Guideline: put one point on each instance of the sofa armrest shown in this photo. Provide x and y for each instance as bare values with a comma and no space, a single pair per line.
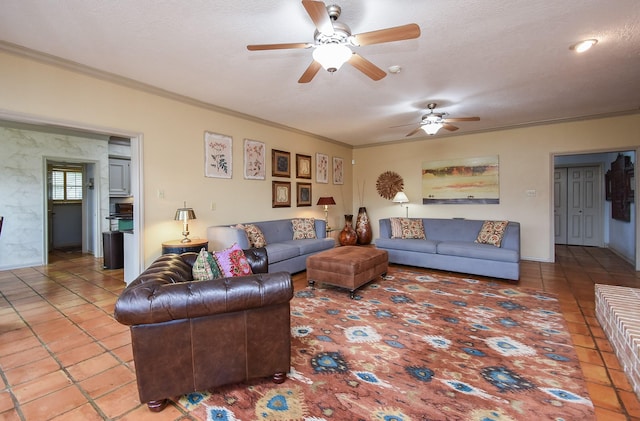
157,301
222,237
321,228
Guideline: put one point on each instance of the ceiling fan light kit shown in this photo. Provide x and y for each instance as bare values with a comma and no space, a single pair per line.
332,56
332,42
431,128
432,122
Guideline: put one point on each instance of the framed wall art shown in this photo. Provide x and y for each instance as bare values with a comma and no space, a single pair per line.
254,160
218,149
280,194
303,166
338,170
303,194
322,168
280,163
461,181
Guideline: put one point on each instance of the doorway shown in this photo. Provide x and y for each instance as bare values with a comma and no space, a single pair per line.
577,212
71,206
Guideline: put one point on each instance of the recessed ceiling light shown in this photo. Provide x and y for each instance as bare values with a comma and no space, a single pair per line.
395,69
583,46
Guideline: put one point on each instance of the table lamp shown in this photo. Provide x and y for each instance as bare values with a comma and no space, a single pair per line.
401,198
184,214
326,201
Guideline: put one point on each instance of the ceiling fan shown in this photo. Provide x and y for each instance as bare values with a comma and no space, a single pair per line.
332,40
432,122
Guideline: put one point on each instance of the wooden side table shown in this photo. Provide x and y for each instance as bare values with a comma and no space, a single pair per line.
176,246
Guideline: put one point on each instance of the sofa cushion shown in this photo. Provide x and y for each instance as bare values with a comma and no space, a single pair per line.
255,235
313,246
278,252
233,262
396,227
492,232
205,267
412,228
303,228
410,244
477,251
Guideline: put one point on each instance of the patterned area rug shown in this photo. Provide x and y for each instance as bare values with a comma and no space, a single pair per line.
417,347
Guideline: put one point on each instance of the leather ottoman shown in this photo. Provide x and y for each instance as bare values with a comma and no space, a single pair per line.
348,266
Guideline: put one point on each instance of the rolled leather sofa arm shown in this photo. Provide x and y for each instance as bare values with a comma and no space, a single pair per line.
157,301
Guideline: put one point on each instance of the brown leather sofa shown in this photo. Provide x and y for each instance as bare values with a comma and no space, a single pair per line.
196,335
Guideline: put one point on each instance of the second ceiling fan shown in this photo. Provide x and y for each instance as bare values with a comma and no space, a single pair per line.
332,42
432,122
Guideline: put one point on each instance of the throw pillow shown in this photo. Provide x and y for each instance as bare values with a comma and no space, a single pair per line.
232,261
205,267
492,232
256,237
396,228
412,228
303,228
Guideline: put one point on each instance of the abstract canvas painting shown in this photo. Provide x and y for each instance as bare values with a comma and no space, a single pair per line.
458,181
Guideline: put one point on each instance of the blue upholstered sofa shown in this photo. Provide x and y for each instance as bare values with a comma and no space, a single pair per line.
284,253
450,245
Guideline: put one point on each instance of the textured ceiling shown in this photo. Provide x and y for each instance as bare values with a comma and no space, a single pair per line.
507,62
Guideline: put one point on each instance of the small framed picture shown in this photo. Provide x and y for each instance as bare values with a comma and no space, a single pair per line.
281,194
218,150
322,168
254,160
338,170
303,166
303,197
280,163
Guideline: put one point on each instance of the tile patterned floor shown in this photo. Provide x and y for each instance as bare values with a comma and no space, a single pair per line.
64,357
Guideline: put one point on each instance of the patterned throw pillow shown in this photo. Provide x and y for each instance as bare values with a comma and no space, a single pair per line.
396,228
205,267
412,228
256,237
492,232
233,262
303,228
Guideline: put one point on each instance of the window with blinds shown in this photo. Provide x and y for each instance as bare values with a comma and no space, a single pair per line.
66,185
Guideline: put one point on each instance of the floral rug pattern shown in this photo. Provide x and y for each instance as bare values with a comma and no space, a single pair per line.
417,347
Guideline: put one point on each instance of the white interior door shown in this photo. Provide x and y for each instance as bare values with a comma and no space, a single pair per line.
584,207
560,205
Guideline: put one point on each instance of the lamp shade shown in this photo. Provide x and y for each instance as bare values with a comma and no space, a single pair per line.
400,197
332,56
184,213
327,200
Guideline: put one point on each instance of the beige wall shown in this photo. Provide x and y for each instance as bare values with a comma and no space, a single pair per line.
173,148
172,133
525,164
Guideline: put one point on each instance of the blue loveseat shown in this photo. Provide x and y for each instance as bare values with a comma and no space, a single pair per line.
284,253
450,245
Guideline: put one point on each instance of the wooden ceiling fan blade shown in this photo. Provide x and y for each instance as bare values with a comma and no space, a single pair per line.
457,119
262,47
414,131
449,127
310,73
397,33
318,13
366,67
